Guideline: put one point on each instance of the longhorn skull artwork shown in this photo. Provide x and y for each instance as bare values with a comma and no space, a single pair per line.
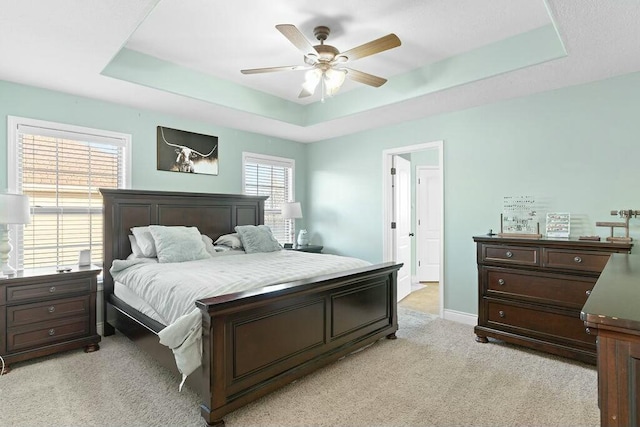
181,151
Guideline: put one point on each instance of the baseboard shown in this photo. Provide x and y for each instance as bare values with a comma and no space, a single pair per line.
100,328
460,317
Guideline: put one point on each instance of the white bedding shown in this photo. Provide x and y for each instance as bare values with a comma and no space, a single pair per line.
171,289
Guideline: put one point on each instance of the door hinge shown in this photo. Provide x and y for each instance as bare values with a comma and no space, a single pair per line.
393,225
418,263
393,171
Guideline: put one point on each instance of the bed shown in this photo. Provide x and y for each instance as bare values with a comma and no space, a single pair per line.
339,312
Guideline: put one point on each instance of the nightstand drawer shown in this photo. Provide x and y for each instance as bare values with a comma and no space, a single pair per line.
566,291
510,254
53,289
49,310
40,334
583,261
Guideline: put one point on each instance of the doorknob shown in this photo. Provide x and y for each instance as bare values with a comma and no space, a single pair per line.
411,234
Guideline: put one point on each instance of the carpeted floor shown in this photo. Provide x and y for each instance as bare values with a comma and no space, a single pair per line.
434,374
425,299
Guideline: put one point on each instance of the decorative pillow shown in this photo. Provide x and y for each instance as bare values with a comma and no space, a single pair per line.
145,242
135,249
231,240
178,244
257,239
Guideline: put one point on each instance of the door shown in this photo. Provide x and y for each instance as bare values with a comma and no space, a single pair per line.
402,218
428,200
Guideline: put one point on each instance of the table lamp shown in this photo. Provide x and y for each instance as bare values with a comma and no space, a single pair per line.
14,209
292,210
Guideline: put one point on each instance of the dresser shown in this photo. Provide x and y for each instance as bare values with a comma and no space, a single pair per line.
316,249
44,312
613,311
531,291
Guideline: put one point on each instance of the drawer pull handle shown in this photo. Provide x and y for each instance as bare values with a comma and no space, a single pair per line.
501,313
500,281
578,259
52,309
588,292
52,332
588,331
52,289
509,254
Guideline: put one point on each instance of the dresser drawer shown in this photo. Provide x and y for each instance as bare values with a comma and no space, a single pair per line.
40,334
566,291
49,310
51,289
520,255
575,260
532,322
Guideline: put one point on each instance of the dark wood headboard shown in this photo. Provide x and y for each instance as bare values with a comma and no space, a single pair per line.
213,214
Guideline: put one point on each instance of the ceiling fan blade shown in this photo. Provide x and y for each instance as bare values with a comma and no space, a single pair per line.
376,46
274,69
299,40
366,78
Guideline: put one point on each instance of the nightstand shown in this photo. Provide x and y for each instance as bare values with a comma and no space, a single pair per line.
44,312
308,248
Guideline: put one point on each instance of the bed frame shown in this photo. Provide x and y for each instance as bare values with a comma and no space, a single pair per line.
257,341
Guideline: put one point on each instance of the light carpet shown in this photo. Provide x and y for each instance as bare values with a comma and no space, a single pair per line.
434,374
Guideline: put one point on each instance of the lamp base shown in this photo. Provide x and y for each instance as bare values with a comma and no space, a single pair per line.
5,249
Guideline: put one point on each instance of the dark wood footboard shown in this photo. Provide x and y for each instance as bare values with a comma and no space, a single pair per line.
256,343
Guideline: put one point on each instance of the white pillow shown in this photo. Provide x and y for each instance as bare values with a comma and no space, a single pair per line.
178,244
208,245
135,248
145,241
231,240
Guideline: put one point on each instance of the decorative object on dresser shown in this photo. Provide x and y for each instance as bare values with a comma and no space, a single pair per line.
293,211
612,312
626,214
14,209
44,312
558,225
303,238
519,217
530,292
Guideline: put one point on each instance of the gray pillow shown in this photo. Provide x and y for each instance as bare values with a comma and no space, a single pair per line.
257,238
178,244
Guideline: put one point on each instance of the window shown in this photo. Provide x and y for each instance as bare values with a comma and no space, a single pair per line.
61,168
273,177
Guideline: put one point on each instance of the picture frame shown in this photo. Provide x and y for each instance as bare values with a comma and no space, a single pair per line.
186,152
558,224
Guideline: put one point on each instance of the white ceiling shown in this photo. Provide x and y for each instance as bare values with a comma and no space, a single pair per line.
65,45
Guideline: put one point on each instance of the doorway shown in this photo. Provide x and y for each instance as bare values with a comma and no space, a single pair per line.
431,232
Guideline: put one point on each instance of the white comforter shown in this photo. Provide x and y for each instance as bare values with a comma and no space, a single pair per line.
172,288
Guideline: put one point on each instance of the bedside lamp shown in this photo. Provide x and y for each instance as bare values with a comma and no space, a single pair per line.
292,210
14,209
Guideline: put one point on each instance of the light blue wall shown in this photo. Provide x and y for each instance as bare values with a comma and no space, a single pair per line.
576,150
35,103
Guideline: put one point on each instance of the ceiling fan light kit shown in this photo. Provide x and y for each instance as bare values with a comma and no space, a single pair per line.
325,64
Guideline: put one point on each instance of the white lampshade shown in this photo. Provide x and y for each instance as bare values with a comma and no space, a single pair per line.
292,210
14,209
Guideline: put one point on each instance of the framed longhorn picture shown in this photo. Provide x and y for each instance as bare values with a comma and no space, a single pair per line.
189,152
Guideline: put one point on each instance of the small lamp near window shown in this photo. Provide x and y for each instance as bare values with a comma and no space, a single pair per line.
14,209
293,211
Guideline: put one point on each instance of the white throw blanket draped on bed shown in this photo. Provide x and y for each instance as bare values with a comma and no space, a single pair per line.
171,289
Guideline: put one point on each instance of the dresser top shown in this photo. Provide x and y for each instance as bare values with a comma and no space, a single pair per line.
553,242
615,300
27,274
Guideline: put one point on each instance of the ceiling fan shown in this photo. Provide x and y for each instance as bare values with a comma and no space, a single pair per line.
325,64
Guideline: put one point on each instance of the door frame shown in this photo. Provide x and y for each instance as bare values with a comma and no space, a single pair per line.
388,249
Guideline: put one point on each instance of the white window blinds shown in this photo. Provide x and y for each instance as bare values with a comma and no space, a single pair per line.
61,169
273,177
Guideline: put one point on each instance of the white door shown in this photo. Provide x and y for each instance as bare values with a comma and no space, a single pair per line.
402,218
428,224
